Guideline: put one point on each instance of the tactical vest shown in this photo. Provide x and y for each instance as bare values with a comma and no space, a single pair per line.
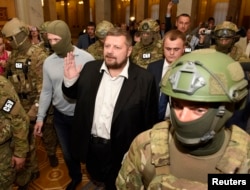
234,159
143,55
21,72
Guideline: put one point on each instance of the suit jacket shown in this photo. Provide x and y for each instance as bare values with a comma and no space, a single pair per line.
156,68
135,110
84,41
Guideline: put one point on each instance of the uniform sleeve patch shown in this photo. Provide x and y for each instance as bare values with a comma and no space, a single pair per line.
8,105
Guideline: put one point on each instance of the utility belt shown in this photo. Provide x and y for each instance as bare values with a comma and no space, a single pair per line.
99,140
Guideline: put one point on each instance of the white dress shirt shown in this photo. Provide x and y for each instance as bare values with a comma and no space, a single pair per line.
105,102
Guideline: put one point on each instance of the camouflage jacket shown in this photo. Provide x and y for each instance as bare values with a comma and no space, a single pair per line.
236,53
25,73
143,55
96,50
14,121
146,166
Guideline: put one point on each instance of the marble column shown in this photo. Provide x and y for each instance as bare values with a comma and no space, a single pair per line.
30,11
49,8
103,10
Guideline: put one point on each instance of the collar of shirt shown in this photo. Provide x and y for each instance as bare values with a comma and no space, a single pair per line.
124,72
166,65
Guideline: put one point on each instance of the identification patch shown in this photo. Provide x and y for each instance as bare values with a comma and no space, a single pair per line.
8,106
19,65
146,56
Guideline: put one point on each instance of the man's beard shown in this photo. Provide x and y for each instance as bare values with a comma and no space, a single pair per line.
116,65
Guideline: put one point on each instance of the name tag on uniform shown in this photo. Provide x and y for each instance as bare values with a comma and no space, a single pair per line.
146,56
8,106
19,65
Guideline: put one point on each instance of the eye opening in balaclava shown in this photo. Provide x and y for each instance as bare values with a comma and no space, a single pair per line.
190,134
60,28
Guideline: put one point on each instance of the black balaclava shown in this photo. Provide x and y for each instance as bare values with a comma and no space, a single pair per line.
60,28
224,48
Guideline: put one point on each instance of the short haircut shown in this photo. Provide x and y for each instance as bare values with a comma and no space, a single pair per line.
174,35
91,24
210,19
120,32
184,15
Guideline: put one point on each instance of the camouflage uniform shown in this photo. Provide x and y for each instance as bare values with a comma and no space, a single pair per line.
149,159
14,124
24,70
228,30
181,153
96,49
143,54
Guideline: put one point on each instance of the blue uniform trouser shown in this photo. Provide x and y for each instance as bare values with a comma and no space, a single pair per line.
63,126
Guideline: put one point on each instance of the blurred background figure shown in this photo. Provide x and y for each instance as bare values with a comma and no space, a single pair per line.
96,49
244,43
34,36
88,38
4,55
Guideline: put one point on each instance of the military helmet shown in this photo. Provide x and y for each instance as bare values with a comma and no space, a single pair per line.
225,30
13,27
149,25
102,28
197,77
43,26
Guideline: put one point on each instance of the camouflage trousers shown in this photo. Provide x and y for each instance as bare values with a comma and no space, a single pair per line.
31,164
7,173
49,138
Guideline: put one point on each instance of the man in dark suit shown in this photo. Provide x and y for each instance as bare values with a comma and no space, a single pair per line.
173,47
116,100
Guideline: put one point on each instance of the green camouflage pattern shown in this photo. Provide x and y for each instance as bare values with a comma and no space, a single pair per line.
149,25
143,55
102,29
28,83
28,79
146,165
236,53
96,50
49,138
226,25
14,124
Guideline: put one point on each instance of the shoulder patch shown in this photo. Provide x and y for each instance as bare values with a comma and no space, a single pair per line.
8,105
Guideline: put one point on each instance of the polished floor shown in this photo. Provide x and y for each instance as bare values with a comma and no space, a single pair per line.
55,178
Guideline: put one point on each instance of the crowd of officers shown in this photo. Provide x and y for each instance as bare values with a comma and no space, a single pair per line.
22,82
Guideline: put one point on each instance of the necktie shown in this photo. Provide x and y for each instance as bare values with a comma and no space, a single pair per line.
248,50
162,106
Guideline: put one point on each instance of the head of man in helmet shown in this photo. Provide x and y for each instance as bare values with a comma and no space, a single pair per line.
102,29
149,31
16,32
202,95
226,36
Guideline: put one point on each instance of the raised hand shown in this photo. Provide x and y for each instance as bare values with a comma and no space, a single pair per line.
71,70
